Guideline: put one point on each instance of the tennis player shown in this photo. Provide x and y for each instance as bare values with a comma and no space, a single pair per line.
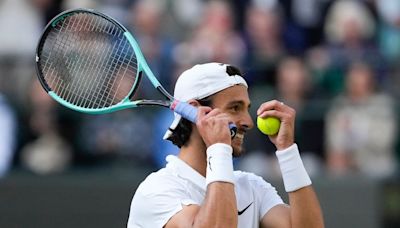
199,188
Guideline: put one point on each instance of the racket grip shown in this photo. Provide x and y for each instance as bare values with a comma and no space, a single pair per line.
186,110
189,112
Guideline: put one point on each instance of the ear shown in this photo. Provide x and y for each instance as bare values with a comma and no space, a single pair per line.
194,102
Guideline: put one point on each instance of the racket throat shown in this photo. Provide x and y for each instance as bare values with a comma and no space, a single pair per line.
166,104
165,93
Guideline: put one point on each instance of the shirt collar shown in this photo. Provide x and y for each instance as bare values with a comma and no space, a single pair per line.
186,172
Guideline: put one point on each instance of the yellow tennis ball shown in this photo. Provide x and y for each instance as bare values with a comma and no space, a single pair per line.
269,125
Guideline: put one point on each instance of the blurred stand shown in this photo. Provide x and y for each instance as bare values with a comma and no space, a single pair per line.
20,32
146,23
125,134
304,23
213,40
297,51
8,132
389,32
22,28
389,42
349,36
263,36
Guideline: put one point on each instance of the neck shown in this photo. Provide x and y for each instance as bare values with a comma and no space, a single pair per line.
194,154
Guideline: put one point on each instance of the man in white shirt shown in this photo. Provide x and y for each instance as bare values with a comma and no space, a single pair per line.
198,188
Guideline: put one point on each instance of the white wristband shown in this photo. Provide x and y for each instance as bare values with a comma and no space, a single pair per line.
219,163
294,174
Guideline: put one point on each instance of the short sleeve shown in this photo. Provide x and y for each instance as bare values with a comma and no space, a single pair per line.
153,206
267,196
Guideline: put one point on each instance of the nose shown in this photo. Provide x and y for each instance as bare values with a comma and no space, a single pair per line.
247,121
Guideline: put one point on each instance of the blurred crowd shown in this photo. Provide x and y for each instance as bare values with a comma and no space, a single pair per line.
335,61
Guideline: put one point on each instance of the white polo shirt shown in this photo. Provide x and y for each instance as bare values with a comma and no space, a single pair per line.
164,193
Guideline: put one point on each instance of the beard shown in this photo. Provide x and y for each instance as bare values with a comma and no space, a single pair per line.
237,153
237,146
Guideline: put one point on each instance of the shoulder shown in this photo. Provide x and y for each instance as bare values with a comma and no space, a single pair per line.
250,179
158,182
156,200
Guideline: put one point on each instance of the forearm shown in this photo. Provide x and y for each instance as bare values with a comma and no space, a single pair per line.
219,207
304,206
305,210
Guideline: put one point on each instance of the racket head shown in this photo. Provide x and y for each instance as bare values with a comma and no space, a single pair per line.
89,62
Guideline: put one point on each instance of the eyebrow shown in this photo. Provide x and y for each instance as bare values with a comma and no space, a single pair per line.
238,102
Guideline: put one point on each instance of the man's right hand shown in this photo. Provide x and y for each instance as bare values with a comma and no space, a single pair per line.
213,126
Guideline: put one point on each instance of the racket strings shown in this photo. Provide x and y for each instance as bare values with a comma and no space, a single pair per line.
66,91
94,83
87,61
98,83
80,94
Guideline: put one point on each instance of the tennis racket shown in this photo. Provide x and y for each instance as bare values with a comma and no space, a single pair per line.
88,62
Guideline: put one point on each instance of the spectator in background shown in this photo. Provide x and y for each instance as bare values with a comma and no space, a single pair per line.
117,9
184,16
104,138
264,45
303,23
389,41
389,29
8,126
20,24
295,88
349,34
214,40
146,21
48,152
294,83
361,127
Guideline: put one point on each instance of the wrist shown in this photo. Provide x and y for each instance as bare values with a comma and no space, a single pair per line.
219,163
293,171
284,146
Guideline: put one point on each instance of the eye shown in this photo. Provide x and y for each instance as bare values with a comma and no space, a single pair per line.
235,108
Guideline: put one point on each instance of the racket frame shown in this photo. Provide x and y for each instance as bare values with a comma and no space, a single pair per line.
140,60
184,109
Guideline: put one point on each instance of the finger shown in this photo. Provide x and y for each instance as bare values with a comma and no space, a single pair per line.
214,112
274,113
202,111
269,105
222,118
273,105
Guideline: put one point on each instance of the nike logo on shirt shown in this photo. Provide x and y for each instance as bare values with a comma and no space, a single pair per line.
242,211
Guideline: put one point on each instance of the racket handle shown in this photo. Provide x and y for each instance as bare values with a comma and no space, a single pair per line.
189,112
184,109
